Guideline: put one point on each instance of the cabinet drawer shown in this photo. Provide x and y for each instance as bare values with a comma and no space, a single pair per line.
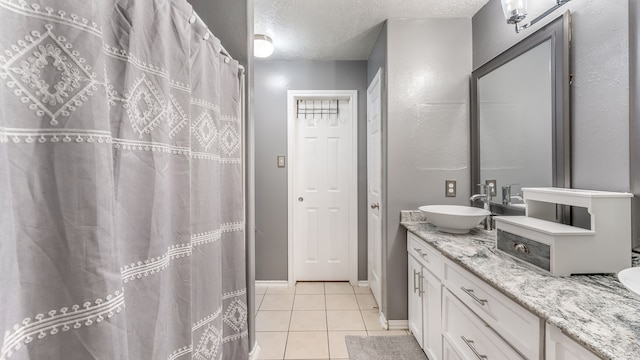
522,329
469,336
429,257
447,351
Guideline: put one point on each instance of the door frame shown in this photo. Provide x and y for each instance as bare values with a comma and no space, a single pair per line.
352,97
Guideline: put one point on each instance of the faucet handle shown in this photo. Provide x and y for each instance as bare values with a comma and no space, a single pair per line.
488,189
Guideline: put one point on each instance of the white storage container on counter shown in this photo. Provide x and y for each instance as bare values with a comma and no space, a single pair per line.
562,249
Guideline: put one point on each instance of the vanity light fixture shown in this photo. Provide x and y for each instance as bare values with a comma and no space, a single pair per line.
262,46
516,10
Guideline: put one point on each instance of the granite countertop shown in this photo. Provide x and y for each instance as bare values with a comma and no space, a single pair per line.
597,311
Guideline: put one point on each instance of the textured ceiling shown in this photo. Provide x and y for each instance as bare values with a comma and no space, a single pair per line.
342,29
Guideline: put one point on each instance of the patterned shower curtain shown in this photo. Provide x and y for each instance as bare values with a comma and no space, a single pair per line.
121,189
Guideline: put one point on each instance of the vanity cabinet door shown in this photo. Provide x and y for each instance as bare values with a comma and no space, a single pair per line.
432,315
415,299
560,347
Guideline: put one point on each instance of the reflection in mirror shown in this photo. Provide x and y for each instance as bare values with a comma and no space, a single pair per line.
520,118
515,124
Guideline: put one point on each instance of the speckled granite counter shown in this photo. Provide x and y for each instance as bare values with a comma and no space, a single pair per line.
595,310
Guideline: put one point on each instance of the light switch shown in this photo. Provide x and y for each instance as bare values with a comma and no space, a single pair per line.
281,161
450,188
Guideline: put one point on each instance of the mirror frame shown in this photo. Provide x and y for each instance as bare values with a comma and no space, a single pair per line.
559,32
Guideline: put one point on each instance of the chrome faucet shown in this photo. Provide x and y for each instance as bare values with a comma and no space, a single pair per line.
506,195
486,200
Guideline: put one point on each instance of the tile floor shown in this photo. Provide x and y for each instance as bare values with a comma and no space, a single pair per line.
310,321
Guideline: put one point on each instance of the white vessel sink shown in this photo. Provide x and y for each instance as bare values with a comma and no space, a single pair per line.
630,278
454,219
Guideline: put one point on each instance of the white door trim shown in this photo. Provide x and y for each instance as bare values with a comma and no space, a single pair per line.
352,96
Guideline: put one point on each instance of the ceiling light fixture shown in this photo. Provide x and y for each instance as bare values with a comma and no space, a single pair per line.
516,10
262,46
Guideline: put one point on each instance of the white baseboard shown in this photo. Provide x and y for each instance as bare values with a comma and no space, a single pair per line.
398,324
272,283
255,352
363,283
393,324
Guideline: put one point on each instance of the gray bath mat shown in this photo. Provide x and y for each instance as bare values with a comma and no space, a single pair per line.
384,348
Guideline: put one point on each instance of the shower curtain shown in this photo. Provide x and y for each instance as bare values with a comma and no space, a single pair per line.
121,188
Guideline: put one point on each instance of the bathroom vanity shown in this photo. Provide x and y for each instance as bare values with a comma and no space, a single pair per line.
469,301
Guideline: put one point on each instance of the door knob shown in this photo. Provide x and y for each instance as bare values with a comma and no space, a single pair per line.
375,205
301,199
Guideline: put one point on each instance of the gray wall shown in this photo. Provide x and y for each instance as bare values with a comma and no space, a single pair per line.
272,80
378,59
600,101
427,131
634,63
600,91
229,21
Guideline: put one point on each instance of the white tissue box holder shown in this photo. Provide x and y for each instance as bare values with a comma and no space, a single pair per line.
562,249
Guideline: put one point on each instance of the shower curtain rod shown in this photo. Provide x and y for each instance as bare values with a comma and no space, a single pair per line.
223,51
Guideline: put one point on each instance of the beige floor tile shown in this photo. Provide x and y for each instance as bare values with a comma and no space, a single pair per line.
344,320
273,320
388,333
261,290
308,321
259,298
280,290
366,301
310,288
341,302
372,320
307,345
309,302
272,344
361,290
277,302
338,288
337,344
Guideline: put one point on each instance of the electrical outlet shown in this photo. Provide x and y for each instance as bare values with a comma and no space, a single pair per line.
493,184
450,188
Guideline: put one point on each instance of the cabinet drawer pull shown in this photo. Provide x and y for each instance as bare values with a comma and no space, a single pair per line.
419,251
521,248
473,348
473,296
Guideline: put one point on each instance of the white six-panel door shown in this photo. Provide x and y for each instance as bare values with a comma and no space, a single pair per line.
374,186
323,169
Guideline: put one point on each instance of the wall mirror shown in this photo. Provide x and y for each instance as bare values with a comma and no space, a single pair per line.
520,118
